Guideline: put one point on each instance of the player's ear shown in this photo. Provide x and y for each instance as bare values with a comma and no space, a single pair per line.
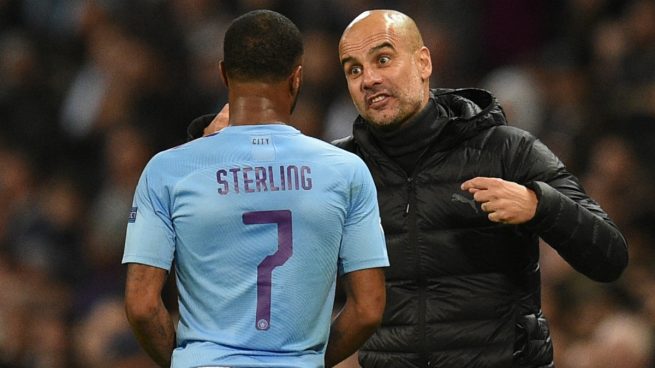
295,80
221,67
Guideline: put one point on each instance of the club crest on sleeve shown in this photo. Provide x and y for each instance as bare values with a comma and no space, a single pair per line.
132,217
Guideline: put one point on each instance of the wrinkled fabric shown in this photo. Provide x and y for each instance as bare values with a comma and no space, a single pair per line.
463,291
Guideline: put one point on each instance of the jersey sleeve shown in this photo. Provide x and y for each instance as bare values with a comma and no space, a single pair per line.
362,245
150,237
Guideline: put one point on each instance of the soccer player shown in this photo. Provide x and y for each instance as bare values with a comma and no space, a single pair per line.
259,220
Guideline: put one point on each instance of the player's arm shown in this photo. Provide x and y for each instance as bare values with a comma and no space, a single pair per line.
360,316
146,313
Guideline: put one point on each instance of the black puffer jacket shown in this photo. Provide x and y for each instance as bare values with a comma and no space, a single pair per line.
463,291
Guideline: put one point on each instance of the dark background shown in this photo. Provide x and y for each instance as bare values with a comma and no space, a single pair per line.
91,89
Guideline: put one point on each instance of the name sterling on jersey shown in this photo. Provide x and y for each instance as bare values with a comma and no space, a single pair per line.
263,179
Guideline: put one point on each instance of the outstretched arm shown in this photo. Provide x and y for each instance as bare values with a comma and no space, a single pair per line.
360,316
146,313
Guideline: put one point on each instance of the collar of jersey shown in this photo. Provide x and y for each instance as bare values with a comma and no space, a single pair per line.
259,128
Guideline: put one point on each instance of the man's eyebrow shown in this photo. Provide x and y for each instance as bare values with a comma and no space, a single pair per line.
346,60
373,49
380,46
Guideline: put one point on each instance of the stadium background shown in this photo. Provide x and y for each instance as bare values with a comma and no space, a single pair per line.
90,89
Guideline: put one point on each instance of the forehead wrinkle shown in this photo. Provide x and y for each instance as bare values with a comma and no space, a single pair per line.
376,39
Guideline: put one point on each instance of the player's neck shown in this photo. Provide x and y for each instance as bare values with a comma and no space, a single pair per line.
259,103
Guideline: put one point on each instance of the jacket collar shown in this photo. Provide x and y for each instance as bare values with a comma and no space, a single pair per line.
468,111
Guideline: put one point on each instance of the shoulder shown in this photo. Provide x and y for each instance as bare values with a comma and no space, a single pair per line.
502,141
507,135
169,164
346,153
334,149
167,157
339,157
346,143
512,132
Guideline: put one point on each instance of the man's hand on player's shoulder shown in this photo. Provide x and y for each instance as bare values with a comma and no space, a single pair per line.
221,120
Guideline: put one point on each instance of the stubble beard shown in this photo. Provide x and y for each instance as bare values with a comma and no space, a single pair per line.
386,120
388,124
397,118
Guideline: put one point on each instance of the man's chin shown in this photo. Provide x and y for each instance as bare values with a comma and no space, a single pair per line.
385,124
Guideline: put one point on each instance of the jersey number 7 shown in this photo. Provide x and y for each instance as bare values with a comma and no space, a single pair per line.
265,269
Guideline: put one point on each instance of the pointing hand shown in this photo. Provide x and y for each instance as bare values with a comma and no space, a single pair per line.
504,201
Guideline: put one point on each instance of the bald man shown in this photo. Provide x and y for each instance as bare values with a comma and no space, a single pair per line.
464,199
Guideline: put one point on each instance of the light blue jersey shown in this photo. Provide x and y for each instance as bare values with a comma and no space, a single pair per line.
259,221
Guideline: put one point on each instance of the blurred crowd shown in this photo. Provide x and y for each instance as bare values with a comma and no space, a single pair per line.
91,89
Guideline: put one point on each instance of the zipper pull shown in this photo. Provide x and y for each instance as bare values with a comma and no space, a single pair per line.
409,182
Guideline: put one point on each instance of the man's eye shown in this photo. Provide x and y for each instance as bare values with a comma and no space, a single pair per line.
355,70
384,59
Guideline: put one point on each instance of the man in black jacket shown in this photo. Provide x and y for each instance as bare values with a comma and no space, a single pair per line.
464,199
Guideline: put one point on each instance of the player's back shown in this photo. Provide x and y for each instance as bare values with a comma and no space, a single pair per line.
258,214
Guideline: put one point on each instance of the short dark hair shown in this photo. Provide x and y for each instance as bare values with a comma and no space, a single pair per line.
261,45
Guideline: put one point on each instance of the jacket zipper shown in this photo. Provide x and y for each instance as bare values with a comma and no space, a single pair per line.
410,212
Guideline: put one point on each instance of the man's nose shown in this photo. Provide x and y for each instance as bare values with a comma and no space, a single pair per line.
371,77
